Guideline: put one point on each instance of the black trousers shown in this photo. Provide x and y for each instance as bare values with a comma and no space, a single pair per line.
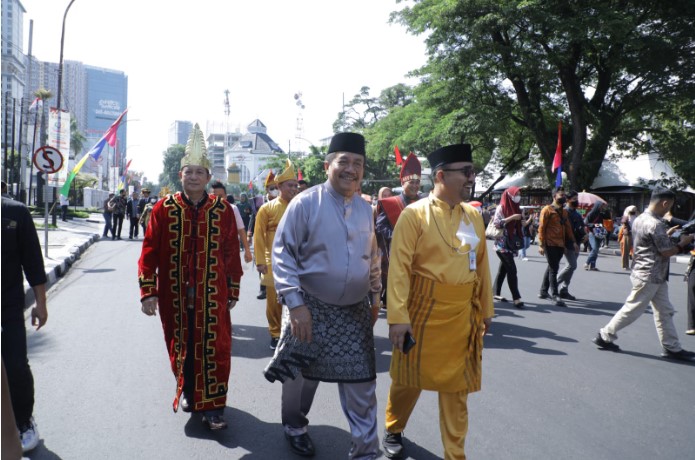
553,254
14,355
507,269
117,225
134,227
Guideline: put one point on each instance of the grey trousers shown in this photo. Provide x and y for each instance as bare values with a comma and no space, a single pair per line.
358,401
565,277
643,294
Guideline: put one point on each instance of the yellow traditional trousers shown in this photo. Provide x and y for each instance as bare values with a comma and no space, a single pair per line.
453,416
447,327
273,311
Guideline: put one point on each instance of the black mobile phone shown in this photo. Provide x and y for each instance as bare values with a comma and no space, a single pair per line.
408,343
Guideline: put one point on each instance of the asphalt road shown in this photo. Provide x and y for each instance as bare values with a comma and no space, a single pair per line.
104,387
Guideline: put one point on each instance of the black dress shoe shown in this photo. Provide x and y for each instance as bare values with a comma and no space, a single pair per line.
543,295
214,421
301,444
393,445
682,355
567,295
603,344
262,295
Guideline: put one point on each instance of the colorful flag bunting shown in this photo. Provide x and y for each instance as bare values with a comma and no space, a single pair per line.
36,105
109,137
557,160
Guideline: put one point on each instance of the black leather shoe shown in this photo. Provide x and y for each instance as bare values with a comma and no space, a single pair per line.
301,444
682,355
558,301
567,295
393,445
543,295
598,340
214,421
185,406
262,295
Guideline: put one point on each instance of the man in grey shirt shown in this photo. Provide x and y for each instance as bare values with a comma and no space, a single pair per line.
652,251
327,273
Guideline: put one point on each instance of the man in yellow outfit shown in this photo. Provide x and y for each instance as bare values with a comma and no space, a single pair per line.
267,221
440,294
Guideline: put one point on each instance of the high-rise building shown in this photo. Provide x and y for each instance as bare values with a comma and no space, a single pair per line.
13,66
179,132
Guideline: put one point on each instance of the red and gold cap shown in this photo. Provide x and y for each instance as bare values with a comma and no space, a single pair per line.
411,169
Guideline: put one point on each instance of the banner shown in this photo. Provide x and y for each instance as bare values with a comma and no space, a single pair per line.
59,137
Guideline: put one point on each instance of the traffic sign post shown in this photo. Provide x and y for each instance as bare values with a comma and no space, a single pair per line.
48,160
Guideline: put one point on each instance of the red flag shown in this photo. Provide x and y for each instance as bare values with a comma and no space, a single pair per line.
557,161
299,174
399,158
110,135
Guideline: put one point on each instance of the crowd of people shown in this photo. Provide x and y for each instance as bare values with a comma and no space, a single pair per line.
329,260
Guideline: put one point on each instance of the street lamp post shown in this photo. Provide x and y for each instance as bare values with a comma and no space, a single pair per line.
60,90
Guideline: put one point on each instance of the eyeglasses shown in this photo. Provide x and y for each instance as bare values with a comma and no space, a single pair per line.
467,171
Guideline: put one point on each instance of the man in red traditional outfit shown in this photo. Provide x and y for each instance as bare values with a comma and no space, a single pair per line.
389,209
190,268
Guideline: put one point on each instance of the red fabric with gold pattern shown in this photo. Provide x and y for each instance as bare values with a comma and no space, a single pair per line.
172,255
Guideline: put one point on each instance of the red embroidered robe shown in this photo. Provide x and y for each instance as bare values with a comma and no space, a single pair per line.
188,245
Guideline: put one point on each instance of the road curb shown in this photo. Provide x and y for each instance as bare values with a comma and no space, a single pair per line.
54,273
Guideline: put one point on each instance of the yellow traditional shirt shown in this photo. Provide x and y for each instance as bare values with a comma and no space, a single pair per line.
425,244
267,220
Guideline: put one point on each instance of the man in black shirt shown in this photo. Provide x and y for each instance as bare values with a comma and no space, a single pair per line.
21,255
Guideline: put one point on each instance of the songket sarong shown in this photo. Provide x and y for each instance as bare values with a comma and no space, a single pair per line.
447,327
341,349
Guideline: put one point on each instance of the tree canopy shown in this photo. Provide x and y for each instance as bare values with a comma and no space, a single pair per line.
501,73
172,165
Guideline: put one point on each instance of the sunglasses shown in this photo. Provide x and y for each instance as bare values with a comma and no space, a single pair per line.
467,171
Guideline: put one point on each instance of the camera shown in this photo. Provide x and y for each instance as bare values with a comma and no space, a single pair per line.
686,229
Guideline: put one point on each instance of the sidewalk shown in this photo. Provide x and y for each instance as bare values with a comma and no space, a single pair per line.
65,245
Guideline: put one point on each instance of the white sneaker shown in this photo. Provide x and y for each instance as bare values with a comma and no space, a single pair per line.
29,435
525,259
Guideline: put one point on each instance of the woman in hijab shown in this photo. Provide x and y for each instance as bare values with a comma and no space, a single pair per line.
508,217
625,235
384,192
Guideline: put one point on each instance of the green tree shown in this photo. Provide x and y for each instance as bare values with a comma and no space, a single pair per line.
604,68
77,139
172,165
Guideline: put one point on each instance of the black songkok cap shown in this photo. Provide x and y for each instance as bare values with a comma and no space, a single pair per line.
450,154
663,194
347,142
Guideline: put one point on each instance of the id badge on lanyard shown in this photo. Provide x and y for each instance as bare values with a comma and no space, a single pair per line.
472,261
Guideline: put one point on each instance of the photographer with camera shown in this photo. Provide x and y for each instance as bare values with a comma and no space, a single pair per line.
681,227
653,249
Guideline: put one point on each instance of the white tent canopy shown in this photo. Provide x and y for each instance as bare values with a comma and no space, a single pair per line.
643,171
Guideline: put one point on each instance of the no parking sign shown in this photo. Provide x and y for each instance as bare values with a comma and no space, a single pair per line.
48,159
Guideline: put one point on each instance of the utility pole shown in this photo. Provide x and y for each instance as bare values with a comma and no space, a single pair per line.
60,93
